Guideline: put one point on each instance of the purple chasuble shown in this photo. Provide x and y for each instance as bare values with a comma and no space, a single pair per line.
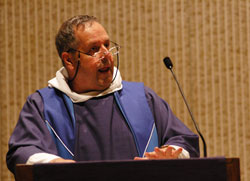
101,131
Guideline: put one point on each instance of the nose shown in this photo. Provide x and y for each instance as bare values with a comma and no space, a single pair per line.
104,53
104,60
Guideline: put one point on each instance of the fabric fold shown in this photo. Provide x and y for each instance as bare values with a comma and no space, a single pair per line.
60,82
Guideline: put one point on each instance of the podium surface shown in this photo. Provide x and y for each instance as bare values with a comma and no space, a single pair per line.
199,169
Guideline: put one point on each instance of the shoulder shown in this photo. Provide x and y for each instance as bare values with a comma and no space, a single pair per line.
49,94
132,84
37,95
33,106
138,88
35,100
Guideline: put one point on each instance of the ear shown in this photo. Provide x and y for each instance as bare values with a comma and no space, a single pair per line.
67,59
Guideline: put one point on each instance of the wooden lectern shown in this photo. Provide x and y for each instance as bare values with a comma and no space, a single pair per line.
199,169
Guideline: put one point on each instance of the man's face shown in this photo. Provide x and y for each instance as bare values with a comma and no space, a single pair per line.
94,73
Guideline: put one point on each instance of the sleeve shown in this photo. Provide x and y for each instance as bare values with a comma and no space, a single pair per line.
30,135
41,158
171,131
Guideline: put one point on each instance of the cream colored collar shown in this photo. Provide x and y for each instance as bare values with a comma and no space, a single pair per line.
60,82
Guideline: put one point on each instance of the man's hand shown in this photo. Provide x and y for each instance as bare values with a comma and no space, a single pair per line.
61,160
161,153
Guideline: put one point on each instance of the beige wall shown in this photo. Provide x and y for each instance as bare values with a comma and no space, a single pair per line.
207,40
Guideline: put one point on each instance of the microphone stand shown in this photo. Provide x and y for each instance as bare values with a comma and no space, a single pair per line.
169,65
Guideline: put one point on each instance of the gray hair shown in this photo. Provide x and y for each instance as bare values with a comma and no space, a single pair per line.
65,38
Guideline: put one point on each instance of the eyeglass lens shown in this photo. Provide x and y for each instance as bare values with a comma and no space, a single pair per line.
113,50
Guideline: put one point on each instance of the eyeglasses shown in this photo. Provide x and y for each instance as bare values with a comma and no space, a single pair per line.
114,50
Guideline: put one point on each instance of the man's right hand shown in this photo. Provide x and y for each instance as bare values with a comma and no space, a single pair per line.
61,160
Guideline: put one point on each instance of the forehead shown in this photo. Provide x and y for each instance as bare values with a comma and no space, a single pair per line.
91,33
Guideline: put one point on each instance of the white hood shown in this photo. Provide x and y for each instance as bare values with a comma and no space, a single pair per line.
60,82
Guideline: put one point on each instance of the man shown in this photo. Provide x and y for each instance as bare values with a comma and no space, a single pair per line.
88,113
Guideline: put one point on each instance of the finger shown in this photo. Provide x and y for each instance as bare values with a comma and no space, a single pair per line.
140,158
177,153
169,151
61,160
151,155
160,152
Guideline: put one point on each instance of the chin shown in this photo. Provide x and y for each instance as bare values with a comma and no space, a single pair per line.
104,85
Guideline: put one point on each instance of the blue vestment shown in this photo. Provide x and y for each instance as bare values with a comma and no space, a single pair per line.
60,119
100,130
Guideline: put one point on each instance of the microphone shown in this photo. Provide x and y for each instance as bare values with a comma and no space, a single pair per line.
169,65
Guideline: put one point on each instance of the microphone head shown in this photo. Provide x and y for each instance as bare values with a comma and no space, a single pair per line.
168,63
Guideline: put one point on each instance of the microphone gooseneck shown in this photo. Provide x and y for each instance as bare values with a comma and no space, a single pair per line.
169,65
